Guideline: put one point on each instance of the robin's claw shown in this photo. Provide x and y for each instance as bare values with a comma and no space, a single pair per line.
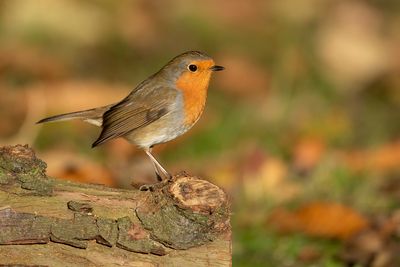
158,176
147,187
169,178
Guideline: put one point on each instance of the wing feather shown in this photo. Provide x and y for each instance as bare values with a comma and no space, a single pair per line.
136,111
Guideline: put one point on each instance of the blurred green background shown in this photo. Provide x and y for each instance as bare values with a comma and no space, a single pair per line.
302,129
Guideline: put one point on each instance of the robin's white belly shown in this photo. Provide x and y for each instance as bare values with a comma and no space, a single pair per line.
167,128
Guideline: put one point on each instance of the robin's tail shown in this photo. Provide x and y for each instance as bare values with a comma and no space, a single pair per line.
93,116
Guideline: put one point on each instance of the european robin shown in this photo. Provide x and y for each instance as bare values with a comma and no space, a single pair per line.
159,109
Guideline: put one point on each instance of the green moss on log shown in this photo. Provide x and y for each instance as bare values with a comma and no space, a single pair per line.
18,164
134,238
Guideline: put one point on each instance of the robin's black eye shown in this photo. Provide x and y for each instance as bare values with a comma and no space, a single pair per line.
192,67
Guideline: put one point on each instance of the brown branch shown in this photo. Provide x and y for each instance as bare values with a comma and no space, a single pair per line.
45,221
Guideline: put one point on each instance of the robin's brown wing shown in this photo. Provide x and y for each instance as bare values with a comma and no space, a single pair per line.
136,111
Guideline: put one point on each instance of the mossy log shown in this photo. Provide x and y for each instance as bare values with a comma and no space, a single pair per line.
49,222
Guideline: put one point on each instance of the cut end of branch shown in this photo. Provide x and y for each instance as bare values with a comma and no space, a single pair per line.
196,194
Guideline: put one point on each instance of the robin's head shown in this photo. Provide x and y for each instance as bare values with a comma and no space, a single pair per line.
191,67
190,73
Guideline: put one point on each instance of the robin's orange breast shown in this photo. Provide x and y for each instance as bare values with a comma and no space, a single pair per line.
194,88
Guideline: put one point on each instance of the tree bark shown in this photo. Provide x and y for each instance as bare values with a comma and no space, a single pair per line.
49,222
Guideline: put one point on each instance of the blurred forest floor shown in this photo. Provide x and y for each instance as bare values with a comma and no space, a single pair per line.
302,129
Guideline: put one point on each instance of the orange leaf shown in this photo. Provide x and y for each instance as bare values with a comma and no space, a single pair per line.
308,152
384,158
322,219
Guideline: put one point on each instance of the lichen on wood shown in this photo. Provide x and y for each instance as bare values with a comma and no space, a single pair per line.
19,164
183,214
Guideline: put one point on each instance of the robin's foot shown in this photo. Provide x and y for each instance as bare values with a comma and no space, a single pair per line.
152,187
158,176
147,187
168,177
162,176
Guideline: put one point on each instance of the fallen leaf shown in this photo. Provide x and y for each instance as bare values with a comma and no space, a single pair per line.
307,153
382,159
321,219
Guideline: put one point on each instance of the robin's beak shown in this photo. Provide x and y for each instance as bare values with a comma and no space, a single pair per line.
217,68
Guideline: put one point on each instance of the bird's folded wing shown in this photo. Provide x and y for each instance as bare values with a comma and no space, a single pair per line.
136,111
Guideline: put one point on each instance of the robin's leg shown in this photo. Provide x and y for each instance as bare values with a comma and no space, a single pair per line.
157,166
158,169
159,177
